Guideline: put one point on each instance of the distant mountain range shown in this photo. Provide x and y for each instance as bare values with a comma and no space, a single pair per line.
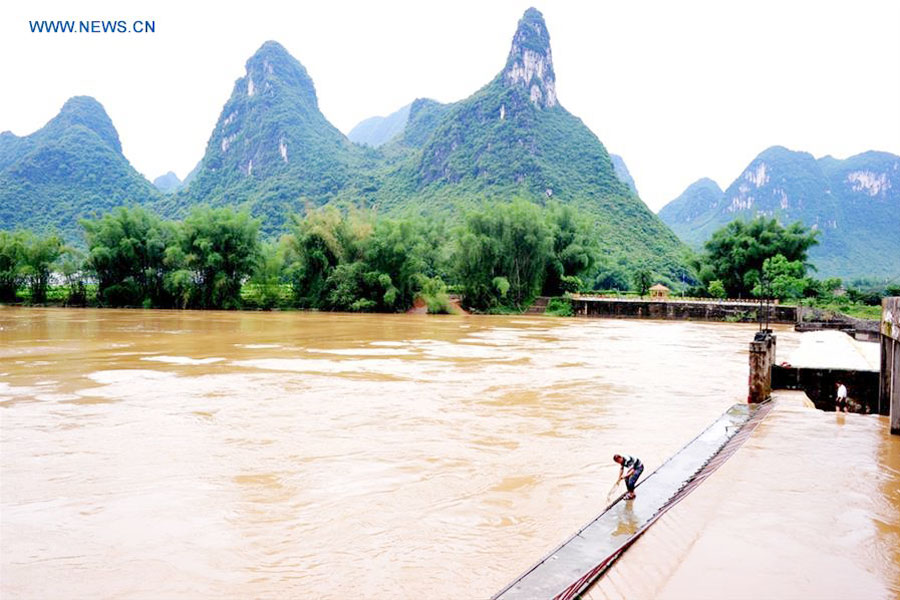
168,183
622,172
377,131
273,152
854,203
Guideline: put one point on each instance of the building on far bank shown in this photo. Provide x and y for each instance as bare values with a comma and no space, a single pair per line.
659,292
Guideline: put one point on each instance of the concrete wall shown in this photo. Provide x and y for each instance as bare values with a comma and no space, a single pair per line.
889,384
819,385
617,308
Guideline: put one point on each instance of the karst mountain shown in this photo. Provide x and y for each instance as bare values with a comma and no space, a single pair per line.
853,203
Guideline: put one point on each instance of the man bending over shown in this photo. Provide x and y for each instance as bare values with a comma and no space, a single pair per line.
635,468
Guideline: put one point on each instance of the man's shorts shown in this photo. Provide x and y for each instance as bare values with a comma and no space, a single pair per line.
629,483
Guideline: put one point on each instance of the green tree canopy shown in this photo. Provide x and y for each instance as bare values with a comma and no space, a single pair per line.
127,253
39,257
643,279
574,250
355,262
735,254
317,244
781,278
502,255
12,254
219,248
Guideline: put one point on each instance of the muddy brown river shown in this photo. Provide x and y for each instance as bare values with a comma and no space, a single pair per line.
168,454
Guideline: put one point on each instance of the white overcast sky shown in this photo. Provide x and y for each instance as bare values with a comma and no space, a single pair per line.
680,89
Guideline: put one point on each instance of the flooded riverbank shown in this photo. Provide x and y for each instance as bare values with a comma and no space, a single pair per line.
184,454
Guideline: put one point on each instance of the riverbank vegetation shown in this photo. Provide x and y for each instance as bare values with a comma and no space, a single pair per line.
762,258
496,261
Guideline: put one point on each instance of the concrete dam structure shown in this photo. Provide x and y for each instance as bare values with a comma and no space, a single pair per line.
572,569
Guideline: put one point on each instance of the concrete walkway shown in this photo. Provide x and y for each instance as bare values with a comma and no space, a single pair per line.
573,565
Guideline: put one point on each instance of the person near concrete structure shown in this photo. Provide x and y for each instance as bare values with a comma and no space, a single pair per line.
840,401
635,468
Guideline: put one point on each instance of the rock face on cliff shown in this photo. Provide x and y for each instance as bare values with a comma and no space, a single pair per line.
71,168
530,62
854,203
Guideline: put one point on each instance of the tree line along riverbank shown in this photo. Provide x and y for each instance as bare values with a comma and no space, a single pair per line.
497,259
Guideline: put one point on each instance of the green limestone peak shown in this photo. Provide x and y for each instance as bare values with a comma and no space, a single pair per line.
530,62
69,169
78,112
513,139
699,198
86,111
272,147
424,115
272,70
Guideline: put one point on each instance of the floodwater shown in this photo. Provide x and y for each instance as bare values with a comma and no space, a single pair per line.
809,507
176,454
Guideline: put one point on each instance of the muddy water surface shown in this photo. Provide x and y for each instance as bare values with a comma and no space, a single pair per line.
149,454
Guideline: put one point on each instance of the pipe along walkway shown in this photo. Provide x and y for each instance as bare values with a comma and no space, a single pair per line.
580,560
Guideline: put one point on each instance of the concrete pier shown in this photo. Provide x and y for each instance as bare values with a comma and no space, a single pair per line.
805,509
889,384
762,357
